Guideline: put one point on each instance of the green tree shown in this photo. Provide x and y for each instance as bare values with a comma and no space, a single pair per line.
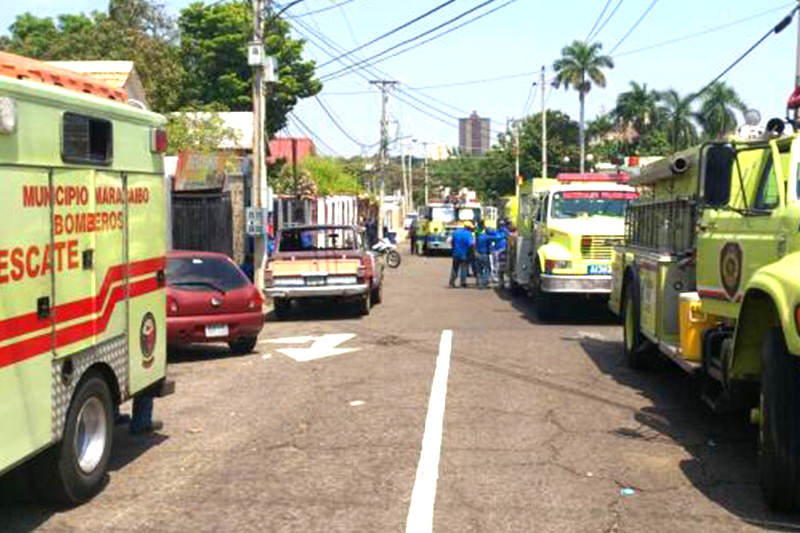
678,120
717,114
637,108
580,65
201,132
213,51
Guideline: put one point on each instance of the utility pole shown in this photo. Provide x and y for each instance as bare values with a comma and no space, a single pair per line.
425,147
405,177
385,87
259,185
544,129
515,137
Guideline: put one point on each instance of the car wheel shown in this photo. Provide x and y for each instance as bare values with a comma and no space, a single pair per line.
779,431
281,307
377,294
243,346
74,470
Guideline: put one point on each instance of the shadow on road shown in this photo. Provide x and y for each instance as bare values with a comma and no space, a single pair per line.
319,310
723,448
199,352
569,309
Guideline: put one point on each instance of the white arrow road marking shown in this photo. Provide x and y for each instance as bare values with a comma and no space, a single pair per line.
324,346
423,495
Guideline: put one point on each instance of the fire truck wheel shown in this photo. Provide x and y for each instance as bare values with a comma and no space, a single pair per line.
633,341
364,305
779,431
545,306
281,307
75,469
243,346
377,294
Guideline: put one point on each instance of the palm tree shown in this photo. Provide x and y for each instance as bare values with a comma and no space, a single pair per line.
678,119
580,65
637,108
717,106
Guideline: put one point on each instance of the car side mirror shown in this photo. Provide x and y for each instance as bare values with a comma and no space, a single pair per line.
717,168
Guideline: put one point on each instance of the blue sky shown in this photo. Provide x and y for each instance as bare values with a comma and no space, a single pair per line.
520,38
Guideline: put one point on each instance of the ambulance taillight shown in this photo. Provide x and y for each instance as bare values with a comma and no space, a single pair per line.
158,141
8,115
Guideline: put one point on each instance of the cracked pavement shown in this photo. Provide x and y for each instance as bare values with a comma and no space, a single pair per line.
544,427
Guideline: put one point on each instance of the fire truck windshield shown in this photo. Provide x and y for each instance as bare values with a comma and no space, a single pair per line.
444,214
575,204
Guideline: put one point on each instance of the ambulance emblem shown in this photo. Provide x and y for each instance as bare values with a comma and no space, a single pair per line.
730,268
147,339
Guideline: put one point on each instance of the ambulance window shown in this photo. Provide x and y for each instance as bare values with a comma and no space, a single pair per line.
767,197
86,139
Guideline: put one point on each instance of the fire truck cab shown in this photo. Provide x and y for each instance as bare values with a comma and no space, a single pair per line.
82,258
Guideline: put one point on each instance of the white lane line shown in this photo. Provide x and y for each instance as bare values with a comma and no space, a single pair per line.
423,495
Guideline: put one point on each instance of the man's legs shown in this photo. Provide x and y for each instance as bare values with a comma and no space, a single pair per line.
454,271
142,420
482,270
493,258
464,264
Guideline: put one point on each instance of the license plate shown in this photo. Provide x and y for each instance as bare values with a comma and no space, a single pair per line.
599,269
216,330
315,282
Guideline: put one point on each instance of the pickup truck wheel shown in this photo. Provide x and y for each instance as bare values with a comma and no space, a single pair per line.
365,305
74,470
376,295
243,346
779,431
633,341
281,307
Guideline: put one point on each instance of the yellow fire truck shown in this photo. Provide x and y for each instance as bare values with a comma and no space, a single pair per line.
82,288
565,234
707,277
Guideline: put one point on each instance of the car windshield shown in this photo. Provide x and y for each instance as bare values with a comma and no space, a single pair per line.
576,204
309,239
204,274
443,214
469,213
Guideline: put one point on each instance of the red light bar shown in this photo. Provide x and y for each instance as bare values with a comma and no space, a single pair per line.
622,177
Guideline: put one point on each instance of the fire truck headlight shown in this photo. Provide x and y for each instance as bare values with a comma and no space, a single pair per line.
8,115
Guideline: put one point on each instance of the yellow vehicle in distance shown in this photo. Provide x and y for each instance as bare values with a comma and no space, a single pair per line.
574,224
438,221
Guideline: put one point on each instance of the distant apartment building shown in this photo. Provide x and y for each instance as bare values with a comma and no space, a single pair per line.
474,134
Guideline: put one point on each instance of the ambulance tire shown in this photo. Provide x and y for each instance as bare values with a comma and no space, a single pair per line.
243,346
60,478
633,342
281,307
779,435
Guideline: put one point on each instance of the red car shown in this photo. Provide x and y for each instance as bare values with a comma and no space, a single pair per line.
209,299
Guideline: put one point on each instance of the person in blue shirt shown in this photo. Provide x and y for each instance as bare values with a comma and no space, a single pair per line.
462,244
483,247
499,246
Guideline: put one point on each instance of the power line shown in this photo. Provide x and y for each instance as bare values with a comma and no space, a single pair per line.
779,27
597,20
336,122
308,13
411,39
475,82
300,125
704,32
531,98
390,32
603,25
443,33
635,25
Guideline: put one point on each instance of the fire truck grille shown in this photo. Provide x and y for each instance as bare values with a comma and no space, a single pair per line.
599,247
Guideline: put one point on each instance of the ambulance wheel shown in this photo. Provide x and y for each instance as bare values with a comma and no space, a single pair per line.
364,305
281,307
634,343
243,346
376,295
75,469
779,431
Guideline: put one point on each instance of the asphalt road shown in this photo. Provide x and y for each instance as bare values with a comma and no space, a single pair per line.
544,429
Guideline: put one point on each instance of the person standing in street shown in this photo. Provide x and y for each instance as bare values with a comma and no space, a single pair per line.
462,244
412,236
483,245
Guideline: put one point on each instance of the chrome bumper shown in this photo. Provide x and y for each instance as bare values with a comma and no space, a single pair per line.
577,284
317,292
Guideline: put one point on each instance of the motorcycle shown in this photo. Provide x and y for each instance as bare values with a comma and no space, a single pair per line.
386,248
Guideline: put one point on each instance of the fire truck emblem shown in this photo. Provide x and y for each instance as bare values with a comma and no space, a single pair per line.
147,339
730,268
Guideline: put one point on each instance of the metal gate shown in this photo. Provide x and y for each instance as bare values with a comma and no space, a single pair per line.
202,221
